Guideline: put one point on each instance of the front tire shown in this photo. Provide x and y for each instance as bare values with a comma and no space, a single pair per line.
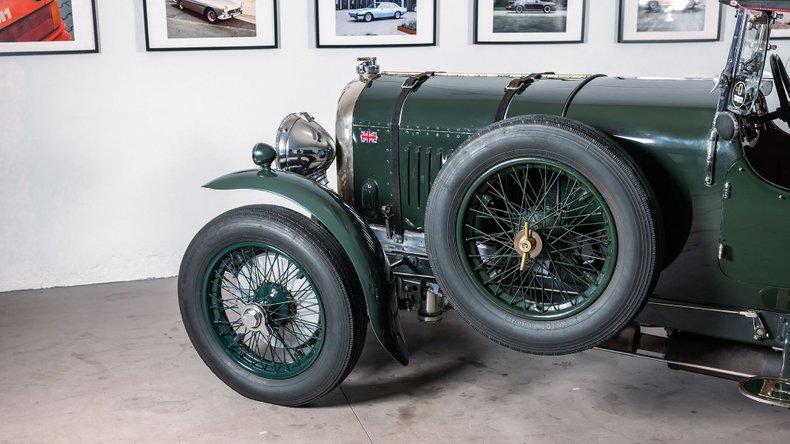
547,9
269,305
519,9
211,16
368,17
575,203
180,5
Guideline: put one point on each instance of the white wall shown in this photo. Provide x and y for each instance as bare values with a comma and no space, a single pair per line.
102,155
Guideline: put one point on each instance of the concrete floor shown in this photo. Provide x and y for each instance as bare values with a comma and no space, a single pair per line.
112,362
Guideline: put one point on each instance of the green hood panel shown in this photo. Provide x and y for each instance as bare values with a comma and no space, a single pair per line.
437,118
660,122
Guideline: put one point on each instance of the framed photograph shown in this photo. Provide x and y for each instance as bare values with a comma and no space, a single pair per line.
369,23
670,21
173,25
529,21
48,27
781,30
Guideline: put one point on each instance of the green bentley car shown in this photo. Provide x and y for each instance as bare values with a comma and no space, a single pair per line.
554,213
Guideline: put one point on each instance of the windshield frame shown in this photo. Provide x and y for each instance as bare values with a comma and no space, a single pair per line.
746,75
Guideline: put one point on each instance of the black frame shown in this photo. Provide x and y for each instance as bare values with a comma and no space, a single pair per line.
76,51
477,41
275,45
396,45
716,39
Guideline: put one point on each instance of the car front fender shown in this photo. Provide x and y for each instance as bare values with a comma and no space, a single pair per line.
356,238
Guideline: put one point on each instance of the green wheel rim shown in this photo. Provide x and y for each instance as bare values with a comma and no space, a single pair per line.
264,310
579,240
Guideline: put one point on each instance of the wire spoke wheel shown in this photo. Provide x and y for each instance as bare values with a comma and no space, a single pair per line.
537,238
264,309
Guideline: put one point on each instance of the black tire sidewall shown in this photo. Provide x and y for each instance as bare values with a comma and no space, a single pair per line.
208,16
368,17
330,365
637,251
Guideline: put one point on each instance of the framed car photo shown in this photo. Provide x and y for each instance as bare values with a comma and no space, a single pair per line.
172,25
370,23
529,21
669,21
48,27
781,29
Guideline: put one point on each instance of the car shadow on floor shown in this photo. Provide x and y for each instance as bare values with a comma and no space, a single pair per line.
437,354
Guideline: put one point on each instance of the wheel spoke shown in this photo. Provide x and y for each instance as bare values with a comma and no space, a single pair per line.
260,279
575,226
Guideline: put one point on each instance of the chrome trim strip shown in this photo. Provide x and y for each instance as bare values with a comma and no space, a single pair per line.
344,135
569,76
479,74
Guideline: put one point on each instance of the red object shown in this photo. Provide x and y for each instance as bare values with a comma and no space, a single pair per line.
31,21
760,5
369,137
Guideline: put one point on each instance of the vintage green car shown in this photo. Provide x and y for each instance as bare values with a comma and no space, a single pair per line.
554,213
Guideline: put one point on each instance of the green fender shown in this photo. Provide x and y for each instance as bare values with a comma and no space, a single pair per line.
356,238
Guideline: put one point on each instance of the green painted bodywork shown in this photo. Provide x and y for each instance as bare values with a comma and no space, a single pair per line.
360,244
754,230
663,124
437,118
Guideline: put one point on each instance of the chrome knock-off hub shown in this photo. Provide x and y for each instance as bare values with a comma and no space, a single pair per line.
252,317
528,244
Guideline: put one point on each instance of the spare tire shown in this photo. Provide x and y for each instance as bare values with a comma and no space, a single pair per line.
569,202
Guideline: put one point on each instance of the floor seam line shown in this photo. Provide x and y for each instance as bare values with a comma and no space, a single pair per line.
355,414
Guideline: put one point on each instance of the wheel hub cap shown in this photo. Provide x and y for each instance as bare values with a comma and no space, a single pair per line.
278,306
528,244
252,317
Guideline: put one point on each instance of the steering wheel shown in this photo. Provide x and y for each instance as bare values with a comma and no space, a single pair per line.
782,82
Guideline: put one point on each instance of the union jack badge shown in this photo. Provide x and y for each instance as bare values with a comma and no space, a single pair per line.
369,137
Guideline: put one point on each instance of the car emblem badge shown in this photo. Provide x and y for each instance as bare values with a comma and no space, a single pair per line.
369,137
739,94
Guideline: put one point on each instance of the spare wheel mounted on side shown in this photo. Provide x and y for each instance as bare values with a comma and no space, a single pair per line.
543,233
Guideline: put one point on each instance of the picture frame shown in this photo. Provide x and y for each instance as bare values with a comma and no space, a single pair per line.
336,28
529,21
781,29
664,21
189,25
72,28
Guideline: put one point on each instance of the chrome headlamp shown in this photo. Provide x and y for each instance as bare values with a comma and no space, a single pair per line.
304,147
